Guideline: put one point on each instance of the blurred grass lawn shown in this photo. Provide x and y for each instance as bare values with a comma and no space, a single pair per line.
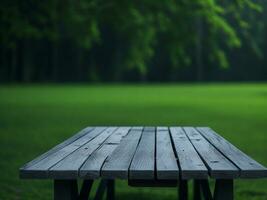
34,118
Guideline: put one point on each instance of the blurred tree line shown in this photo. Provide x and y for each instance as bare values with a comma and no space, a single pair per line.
141,40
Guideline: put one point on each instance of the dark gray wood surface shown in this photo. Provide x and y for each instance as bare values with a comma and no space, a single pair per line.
40,169
143,163
118,135
162,128
148,154
118,163
149,128
57,147
218,165
249,168
191,165
166,162
92,167
69,166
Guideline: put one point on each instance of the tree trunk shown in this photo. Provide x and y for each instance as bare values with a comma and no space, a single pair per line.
13,63
3,66
27,61
54,55
20,58
199,48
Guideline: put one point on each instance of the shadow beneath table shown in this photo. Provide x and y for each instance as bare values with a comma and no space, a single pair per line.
144,196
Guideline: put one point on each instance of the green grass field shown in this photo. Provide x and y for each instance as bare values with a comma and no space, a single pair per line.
35,118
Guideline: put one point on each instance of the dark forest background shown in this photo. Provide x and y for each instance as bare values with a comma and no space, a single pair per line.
148,40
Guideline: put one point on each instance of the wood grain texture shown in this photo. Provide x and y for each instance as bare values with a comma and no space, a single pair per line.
249,168
91,168
162,128
144,154
40,169
191,165
57,147
68,167
117,164
143,163
149,128
118,135
166,162
219,166
137,128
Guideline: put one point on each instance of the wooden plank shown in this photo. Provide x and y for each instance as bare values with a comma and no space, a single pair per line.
117,164
139,128
219,166
40,169
166,163
118,135
57,147
69,166
149,128
249,168
191,165
143,163
162,128
92,167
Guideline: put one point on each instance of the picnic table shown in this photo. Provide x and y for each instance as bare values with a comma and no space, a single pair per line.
146,157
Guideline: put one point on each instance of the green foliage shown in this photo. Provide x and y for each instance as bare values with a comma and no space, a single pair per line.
80,22
143,26
170,25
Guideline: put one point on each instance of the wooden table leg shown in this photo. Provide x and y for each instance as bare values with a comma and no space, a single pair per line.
206,189
86,189
196,192
224,189
183,190
101,190
110,190
65,190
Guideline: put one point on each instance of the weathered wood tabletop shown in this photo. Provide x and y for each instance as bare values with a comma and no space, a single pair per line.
144,154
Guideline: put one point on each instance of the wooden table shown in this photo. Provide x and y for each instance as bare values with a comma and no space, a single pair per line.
145,156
